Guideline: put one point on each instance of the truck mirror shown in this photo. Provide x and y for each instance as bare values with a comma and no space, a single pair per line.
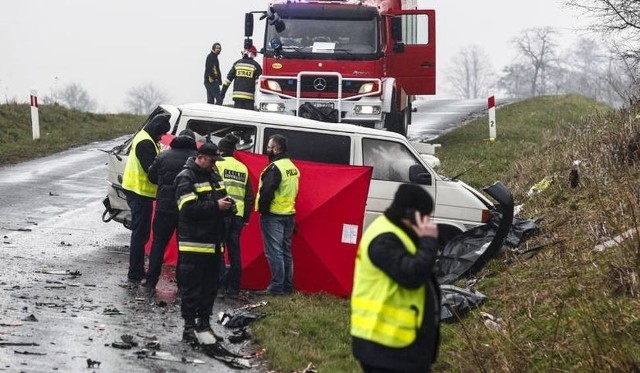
398,47
248,25
396,29
418,175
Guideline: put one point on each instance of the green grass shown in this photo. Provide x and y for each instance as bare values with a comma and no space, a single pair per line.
60,129
564,308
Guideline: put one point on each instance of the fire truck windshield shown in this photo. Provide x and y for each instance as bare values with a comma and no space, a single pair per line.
339,38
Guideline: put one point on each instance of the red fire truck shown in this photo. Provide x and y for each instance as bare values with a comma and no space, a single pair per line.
351,61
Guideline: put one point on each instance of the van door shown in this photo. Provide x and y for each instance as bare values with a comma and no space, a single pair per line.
393,164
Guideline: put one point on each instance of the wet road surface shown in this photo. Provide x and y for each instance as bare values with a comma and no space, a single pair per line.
64,297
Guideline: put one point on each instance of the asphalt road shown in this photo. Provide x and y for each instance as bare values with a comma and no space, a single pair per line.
54,320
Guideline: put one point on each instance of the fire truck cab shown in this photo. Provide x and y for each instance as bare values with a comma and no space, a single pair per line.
352,61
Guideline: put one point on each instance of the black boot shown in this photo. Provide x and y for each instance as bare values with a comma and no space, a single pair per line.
205,333
189,332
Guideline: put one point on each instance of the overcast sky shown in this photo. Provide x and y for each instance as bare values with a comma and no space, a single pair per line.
108,47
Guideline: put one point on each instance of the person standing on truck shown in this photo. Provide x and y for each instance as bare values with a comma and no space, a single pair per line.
276,203
235,176
163,172
202,206
245,72
395,302
140,191
213,75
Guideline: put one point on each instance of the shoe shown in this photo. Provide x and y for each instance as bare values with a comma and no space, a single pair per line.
205,333
189,335
268,292
222,294
134,279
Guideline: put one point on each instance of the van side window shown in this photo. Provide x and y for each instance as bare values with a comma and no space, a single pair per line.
313,146
213,131
390,160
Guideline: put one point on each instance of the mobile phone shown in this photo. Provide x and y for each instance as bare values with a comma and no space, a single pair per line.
411,215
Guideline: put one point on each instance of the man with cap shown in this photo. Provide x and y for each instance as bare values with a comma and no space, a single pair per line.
202,206
140,191
235,176
395,302
245,72
163,172
213,75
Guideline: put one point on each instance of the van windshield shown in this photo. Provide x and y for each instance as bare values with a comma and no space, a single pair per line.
390,160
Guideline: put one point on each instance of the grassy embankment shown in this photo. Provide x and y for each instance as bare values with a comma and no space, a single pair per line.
563,306
60,129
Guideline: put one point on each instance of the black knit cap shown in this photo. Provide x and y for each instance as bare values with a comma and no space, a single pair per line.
410,196
228,143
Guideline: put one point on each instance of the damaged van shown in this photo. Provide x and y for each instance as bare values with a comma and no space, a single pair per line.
395,160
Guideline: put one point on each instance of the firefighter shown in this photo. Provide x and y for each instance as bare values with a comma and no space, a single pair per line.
140,191
395,302
235,176
245,72
202,206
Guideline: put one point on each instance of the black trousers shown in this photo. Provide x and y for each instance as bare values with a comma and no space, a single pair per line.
198,278
164,224
239,103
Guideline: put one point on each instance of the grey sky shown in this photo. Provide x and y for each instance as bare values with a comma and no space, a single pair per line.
111,46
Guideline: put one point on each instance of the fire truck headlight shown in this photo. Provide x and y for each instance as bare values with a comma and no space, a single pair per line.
272,107
367,109
367,87
274,85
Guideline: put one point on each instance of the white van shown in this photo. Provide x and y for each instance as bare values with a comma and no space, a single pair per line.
458,207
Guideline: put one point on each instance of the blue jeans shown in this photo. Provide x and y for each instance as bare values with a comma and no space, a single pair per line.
276,235
213,93
232,245
141,209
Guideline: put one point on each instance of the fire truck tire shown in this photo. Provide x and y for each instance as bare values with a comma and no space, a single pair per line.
397,121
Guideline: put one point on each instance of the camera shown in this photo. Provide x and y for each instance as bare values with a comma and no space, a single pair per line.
234,209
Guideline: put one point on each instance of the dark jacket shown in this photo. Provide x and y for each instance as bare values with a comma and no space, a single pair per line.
200,220
245,72
411,271
212,73
166,167
271,179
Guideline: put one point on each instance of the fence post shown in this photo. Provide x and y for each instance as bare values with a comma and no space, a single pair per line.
35,119
492,118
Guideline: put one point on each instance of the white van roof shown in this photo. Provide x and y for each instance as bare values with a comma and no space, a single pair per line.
223,112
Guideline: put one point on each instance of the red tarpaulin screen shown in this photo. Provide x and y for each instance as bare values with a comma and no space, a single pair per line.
329,216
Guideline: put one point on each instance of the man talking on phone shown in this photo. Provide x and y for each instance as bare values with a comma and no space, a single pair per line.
395,302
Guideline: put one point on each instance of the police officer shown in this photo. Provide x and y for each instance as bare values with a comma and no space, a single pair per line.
140,191
245,72
395,302
202,205
276,202
235,176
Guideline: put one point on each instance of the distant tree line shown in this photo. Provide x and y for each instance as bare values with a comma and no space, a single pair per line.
608,73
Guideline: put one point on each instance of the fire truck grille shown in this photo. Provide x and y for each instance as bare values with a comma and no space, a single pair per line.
321,84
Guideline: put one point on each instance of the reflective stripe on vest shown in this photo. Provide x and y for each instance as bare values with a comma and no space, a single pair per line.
284,199
381,310
235,175
135,179
199,247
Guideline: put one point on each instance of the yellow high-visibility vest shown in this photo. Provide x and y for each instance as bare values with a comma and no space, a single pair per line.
135,179
284,200
381,310
235,176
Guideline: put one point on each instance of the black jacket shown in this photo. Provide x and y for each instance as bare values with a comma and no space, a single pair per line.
245,72
200,220
212,70
166,167
411,271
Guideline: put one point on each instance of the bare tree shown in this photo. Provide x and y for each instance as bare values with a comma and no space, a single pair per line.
75,97
537,47
144,98
514,80
470,74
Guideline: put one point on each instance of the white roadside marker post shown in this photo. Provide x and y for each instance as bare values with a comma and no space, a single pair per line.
35,119
492,118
